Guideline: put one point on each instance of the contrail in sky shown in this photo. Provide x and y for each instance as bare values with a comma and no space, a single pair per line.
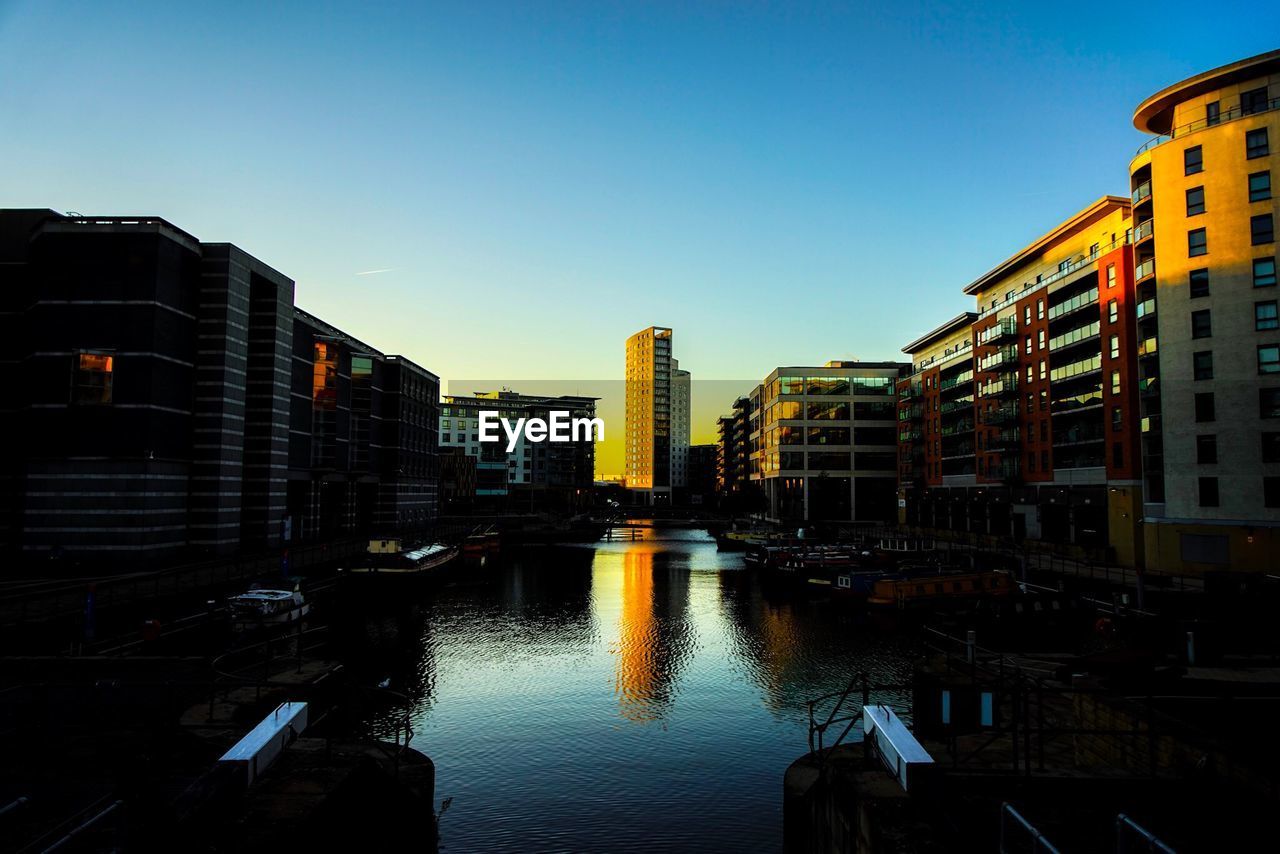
375,272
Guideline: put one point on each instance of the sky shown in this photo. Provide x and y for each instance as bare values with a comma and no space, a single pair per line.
510,190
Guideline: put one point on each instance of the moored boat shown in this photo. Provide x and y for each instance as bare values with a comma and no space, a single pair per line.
265,604
387,560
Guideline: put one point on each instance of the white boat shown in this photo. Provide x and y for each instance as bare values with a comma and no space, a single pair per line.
262,605
386,560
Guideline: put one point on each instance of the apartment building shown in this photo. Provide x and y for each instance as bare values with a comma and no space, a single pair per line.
823,442
539,475
1039,435
1119,388
1209,360
649,428
170,402
681,398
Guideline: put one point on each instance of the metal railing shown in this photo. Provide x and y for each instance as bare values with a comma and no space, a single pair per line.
1025,829
1127,829
1237,112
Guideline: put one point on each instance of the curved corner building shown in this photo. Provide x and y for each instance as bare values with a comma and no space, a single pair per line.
1208,353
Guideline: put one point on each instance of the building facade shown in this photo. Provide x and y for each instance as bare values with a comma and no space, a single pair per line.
1119,390
162,391
823,442
681,397
649,429
1209,359
534,475
1019,419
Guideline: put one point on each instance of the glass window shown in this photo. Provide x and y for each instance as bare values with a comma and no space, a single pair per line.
1203,364
1026,316
865,385
1204,407
1253,101
1262,230
1259,186
1271,447
1027,345
791,385
1264,316
1195,201
1199,282
1192,160
1113,311
1197,242
1264,272
1269,403
1115,346
1212,113
1040,302
1208,492
1111,275
1040,339
1271,491
1256,143
828,411
91,378
1206,449
1201,324
1117,419
1269,359
1115,382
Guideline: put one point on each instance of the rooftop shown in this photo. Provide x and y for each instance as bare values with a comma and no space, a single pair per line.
1155,114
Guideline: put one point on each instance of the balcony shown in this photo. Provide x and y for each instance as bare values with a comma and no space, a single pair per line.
1006,439
1146,309
909,436
1145,270
1079,435
1142,192
1148,347
1075,336
1006,470
949,406
1236,112
999,388
960,379
1144,231
958,452
1077,302
958,429
1003,356
907,392
1001,415
1003,329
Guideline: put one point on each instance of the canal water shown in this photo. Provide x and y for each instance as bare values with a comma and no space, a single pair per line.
618,696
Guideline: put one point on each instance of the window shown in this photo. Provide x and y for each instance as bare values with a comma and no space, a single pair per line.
1117,419
1115,382
1271,447
1040,340
1039,309
91,378
1117,454
1044,368
1264,272
1264,316
1204,407
1200,282
1269,359
1262,229
1044,461
1113,311
1026,316
1201,324
1197,243
1269,403
1031,373
1212,113
1044,431
1253,101
1111,275
1208,492
1028,345
1192,160
1093,250
1031,462
1203,364
1206,449
1259,186
1271,492
1256,143
1115,346
1195,201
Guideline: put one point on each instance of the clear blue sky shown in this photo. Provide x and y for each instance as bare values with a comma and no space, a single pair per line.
781,184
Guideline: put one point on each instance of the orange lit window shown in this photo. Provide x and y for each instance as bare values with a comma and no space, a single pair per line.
91,378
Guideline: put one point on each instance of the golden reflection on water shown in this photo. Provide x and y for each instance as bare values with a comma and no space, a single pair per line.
654,639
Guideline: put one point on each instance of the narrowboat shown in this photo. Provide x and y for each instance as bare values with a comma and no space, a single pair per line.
386,559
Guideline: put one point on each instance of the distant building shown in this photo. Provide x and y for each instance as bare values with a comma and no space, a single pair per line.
649,428
824,443
681,395
173,403
736,490
701,479
537,475
457,478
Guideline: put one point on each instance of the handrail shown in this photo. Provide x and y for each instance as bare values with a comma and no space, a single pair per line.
1153,843
1038,841
1230,115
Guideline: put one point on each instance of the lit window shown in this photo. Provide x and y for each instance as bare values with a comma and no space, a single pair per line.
1115,382
1113,311
1115,346
91,378
1111,275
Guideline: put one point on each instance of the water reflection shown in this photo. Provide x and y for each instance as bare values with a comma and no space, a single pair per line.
622,696
654,638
